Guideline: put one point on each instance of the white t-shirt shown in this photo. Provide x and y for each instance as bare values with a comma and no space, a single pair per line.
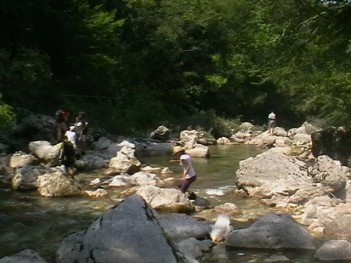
271,116
71,136
187,163
79,127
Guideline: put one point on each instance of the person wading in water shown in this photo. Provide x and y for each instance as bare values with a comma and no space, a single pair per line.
189,173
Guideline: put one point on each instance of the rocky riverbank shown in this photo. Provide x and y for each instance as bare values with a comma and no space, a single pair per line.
313,195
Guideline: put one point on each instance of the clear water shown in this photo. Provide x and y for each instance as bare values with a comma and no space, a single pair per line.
30,221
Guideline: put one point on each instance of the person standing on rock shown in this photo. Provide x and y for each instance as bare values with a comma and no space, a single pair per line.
189,173
61,119
81,127
271,122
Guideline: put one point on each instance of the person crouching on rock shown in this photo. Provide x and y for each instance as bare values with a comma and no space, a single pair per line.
67,156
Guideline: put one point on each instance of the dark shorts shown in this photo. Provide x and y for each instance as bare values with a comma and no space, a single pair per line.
184,184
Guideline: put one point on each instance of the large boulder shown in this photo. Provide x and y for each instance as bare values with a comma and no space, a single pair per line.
45,152
57,184
277,179
125,161
128,233
273,231
328,172
26,177
306,128
330,216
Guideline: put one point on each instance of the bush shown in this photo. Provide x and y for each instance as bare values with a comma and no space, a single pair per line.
7,115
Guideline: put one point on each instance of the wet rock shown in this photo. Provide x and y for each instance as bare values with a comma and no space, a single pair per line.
273,231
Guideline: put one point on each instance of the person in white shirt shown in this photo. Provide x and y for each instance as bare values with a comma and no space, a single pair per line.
81,126
271,122
189,173
71,136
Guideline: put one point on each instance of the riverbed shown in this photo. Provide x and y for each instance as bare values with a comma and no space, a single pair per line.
30,221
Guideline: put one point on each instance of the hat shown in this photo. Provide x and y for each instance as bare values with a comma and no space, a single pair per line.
71,128
178,149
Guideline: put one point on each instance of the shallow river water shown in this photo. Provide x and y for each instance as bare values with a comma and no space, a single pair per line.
30,221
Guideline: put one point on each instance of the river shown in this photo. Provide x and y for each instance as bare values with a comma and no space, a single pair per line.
30,221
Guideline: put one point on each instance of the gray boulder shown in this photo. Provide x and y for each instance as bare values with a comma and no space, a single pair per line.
127,233
273,231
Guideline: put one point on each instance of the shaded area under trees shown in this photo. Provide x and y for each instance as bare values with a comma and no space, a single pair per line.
132,65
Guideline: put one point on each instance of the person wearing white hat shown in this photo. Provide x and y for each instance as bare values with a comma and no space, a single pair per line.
189,173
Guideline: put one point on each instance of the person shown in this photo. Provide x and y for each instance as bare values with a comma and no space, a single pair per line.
271,122
61,118
72,137
81,127
67,155
189,173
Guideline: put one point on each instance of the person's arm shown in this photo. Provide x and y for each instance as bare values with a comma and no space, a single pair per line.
186,168
174,161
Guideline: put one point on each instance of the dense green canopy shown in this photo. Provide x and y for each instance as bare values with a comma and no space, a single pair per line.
134,64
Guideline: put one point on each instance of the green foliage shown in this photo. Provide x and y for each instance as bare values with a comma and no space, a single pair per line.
7,115
134,64
25,76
